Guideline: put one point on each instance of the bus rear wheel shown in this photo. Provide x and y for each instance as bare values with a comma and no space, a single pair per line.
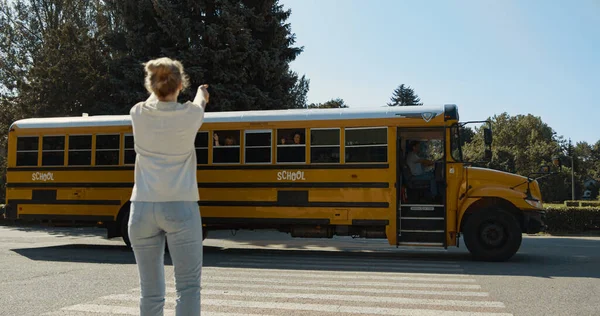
124,232
492,235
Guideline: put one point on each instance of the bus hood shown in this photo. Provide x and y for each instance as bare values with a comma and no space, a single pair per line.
490,177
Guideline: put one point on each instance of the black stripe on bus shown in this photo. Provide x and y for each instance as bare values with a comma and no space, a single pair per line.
264,221
211,167
299,204
66,202
370,222
207,185
56,217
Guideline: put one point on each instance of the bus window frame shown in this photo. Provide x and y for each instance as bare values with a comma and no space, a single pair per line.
387,143
455,130
125,149
68,149
37,151
305,145
96,150
207,148
339,145
64,150
259,131
238,146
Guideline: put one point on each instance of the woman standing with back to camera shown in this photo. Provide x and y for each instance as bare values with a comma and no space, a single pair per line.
164,201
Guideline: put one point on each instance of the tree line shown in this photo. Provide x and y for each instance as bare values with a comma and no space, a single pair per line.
68,57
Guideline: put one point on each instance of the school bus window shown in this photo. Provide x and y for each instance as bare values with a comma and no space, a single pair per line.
80,150
257,146
226,148
325,145
366,144
27,151
107,149
53,150
201,145
291,146
129,150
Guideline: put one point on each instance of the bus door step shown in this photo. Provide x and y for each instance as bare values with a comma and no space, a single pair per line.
422,225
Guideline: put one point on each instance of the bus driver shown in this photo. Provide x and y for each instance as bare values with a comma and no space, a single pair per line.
416,164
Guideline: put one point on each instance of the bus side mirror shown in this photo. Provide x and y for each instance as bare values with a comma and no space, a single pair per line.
487,136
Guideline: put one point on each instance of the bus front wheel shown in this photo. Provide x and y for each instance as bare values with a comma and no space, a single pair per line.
492,235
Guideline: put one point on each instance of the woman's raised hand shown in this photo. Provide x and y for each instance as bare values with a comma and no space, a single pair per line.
204,90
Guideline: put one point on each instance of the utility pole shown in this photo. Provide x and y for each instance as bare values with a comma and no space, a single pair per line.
572,179
571,153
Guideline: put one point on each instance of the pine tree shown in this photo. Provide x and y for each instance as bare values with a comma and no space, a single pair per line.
241,48
404,95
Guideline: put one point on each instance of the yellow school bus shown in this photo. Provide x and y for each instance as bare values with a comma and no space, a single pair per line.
309,172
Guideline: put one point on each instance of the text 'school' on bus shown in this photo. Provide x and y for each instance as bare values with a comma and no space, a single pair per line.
390,172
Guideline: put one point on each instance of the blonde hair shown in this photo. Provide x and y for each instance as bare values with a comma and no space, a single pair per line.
163,76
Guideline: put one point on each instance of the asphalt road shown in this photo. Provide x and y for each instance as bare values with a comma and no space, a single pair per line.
73,272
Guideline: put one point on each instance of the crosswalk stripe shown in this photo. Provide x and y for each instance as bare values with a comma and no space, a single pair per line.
357,298
332,297
344,309
438,276
333,308
96,308
338,289
339,266
123,310
366,260
341,275
376,263
348,283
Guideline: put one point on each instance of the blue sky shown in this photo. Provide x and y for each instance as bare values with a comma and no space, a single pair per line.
535,56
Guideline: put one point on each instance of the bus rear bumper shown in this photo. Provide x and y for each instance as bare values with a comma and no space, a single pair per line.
534,221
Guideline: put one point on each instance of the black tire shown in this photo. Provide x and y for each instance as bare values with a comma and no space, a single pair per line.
124,232
492,235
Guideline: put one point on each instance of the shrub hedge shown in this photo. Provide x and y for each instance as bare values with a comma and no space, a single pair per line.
583,203
562,219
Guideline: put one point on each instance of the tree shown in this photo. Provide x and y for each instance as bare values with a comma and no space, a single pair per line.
242,48
466,135
521,144
299,93
404,95
331,104
65,57
54,57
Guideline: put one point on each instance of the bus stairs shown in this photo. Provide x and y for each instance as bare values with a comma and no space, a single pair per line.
421,225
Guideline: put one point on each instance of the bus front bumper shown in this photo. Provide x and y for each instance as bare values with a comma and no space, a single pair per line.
534,221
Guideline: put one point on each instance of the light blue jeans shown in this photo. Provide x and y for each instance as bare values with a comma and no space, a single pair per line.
180,223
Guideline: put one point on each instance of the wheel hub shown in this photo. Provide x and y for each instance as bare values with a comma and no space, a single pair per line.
492,234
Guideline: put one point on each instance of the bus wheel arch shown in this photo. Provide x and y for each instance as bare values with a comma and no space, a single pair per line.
492,229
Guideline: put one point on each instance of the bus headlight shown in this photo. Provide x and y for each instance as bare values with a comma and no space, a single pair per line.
535,203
